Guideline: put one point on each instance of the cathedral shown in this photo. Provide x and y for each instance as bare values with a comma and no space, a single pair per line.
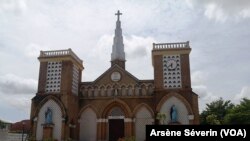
116,104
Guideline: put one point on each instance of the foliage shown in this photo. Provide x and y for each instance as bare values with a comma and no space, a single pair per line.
132,138
240,114
212,120
224,112
2,125
161,117
49,139
216,111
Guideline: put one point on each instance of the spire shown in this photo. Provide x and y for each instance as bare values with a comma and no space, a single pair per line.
118,54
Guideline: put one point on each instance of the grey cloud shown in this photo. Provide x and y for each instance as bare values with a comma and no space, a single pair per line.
198,77
12,84
15,6
138,47
244,93
205,96
222,10
140,51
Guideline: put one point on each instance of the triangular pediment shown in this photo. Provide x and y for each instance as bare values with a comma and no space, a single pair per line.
116,75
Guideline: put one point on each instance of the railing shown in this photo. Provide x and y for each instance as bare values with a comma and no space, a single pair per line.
54,53
170,45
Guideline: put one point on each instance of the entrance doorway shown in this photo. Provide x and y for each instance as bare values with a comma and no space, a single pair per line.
116,129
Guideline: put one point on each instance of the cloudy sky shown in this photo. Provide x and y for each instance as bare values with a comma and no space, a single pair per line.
218,31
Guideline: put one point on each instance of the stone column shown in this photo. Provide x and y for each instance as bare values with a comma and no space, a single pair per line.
63,130
128,125
99,129
104,127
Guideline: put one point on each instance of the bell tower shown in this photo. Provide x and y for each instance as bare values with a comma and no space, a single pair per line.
58,89
173,82
56,69
171,65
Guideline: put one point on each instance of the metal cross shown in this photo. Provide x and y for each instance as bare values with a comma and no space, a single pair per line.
118,14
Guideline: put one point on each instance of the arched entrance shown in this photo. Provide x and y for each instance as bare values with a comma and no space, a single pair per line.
116,124
116,118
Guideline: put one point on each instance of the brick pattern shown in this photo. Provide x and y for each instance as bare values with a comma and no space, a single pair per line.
119,90
75,80
53,83
42,77
129,92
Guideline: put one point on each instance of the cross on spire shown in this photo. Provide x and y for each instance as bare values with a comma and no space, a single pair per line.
118,14
118,54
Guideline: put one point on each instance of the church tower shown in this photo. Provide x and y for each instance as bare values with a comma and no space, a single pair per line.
58,85
118,54
172,81
171,65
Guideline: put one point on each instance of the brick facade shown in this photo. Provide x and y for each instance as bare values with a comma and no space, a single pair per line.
103,94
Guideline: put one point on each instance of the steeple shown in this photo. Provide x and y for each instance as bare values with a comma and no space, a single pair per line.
118,54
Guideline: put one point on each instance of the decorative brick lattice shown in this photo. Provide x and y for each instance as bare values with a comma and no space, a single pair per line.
172,71
75,80
53,82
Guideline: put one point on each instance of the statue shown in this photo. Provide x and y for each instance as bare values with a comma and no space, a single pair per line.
48,116
173,114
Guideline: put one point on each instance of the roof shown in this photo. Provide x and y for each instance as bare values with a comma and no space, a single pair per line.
20,126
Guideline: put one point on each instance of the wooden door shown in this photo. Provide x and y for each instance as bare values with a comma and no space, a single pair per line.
116,129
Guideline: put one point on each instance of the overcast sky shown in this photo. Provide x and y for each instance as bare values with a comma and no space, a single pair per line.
218,31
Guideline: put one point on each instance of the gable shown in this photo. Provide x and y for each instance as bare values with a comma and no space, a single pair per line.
116,75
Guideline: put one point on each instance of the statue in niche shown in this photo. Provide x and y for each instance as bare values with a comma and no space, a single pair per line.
48,116
173,114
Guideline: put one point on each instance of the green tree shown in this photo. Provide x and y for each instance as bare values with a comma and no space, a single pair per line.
2,124
161,117
240,114
212,120
216,111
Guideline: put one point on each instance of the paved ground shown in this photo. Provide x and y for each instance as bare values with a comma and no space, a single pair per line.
3,135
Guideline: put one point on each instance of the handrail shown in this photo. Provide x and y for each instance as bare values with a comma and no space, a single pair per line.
54,53
160,46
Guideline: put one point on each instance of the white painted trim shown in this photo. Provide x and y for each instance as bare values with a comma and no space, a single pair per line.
102,120
116,117
128,120
191,117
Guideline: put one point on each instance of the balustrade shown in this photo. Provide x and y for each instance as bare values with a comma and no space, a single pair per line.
55,53
170,45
